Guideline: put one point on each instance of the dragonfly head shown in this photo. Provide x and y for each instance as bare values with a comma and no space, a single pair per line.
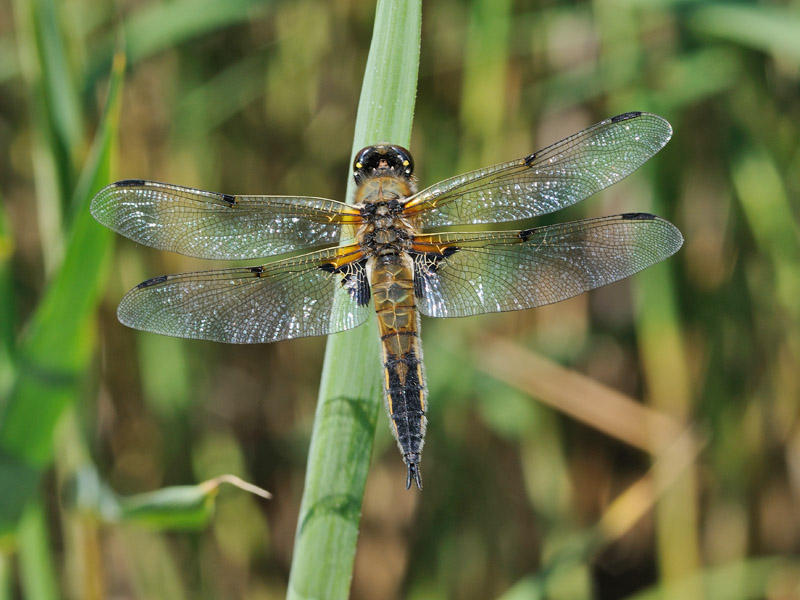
382,158
413,473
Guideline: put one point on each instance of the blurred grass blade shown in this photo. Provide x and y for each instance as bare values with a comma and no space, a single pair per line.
207,106
58,344
5,575
576,395
57,124
159,27
769,213
9,64
484,91
769,577
39,580
350,393
8,314
574,553
55,95
771,29
745,580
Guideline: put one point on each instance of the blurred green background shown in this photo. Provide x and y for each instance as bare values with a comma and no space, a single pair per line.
639,441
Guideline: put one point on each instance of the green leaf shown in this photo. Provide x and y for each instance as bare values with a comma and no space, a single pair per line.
174,508
350,394
185,507
58,344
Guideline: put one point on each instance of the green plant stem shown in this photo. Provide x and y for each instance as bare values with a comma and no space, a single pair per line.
350,393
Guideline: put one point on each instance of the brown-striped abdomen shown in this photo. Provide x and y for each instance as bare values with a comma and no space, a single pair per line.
392,280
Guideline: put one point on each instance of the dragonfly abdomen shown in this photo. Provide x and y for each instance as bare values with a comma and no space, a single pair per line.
392,281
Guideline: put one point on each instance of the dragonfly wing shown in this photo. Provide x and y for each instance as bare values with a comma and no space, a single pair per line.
548,180
212,225
315,294
462,274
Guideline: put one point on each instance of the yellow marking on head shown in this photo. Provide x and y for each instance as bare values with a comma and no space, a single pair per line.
359,165
405,163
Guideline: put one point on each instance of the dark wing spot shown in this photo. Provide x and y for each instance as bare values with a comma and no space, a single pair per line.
258,271
626,116
229,198
638,216
354,280
356,284
427,263
153,281
130,183
526,233
430,261
449,251
529,159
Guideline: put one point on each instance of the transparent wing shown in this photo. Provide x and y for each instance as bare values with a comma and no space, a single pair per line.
462,274
314,294
212,225
548,180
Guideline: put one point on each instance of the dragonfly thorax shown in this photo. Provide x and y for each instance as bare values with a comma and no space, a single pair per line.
385,234
380,199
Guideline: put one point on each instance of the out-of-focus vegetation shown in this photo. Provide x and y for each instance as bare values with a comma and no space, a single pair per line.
635,441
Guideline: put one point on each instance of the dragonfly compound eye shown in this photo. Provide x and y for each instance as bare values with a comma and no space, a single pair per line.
382,157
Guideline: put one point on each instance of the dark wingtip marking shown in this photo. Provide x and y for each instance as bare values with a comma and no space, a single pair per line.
638,217
526,233
152,282
257,270
530,158
626,116
229,198
130,183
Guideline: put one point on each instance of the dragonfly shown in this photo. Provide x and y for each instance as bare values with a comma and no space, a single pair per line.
376,255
